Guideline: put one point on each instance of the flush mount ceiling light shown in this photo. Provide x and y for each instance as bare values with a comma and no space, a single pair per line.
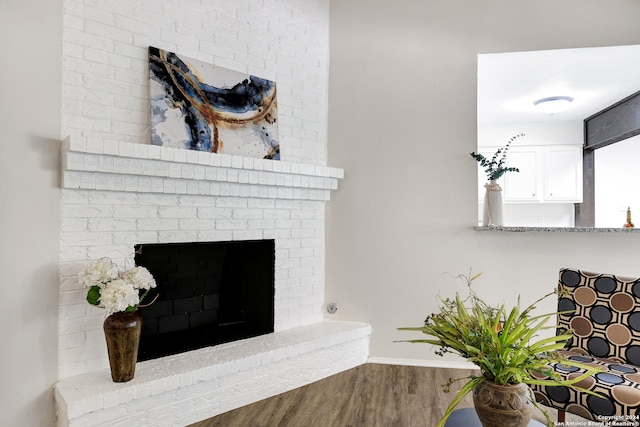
553,104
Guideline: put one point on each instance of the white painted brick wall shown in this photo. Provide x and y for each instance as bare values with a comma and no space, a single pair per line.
107,220
100,218
105,64
119,191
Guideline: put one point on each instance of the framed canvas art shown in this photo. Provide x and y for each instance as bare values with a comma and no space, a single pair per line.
203,107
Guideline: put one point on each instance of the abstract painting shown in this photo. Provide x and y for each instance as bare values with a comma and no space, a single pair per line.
203,107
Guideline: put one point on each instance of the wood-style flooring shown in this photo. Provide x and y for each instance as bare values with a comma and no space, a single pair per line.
370,395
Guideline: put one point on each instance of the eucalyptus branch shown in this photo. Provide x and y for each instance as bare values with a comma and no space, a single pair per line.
496,167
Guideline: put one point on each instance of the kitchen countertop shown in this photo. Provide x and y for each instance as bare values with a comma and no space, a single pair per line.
515,229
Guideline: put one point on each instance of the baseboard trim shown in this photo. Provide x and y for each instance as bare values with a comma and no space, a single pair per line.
425,363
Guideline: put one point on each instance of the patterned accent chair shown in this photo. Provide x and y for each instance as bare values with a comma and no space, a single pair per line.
605,319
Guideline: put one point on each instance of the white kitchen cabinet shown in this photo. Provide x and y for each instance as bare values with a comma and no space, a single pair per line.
548,174
522,186
563,174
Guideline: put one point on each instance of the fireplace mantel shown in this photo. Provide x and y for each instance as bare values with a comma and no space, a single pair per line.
130,167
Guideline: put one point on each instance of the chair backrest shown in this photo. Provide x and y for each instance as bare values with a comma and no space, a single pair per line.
605,314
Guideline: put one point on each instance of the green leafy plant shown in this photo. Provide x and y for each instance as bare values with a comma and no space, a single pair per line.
496,167
502,342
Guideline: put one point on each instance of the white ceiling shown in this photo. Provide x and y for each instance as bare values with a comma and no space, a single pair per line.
508,83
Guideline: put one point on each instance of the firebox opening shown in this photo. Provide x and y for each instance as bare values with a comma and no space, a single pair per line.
208,293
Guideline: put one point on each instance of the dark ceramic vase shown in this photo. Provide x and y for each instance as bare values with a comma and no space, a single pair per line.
122,332
503,405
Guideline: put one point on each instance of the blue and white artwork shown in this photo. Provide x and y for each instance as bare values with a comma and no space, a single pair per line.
203,107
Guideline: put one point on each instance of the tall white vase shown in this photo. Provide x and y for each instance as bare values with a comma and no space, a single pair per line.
492,212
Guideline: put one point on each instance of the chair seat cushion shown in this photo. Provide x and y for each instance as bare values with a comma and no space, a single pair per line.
618,383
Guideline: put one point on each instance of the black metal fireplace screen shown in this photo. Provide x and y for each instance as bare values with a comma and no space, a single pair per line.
207,294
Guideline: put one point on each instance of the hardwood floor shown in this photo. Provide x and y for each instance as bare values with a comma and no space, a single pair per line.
370,395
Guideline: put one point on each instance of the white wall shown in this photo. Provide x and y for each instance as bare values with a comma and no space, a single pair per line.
564,132
29,224
402,122
616,183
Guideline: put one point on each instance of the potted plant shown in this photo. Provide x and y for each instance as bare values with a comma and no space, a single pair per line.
494,168
504,344
120,294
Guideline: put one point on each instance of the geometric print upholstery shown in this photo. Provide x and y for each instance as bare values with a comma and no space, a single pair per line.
604,314
618,383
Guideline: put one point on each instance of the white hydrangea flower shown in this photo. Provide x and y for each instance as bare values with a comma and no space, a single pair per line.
139,277
98,273
117,295
114,290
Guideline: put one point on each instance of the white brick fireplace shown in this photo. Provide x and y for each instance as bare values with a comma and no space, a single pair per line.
116,196
119,191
